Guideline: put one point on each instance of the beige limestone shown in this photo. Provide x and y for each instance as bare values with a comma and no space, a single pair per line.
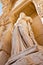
11,16
3,57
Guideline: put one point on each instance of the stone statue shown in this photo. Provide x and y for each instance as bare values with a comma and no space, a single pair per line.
25,50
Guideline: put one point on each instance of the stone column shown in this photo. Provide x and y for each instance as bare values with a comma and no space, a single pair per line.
7,6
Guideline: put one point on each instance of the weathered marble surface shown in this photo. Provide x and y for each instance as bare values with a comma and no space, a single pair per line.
5,42
25,50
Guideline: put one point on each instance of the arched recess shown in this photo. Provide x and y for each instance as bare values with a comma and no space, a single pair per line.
29,8
37,27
